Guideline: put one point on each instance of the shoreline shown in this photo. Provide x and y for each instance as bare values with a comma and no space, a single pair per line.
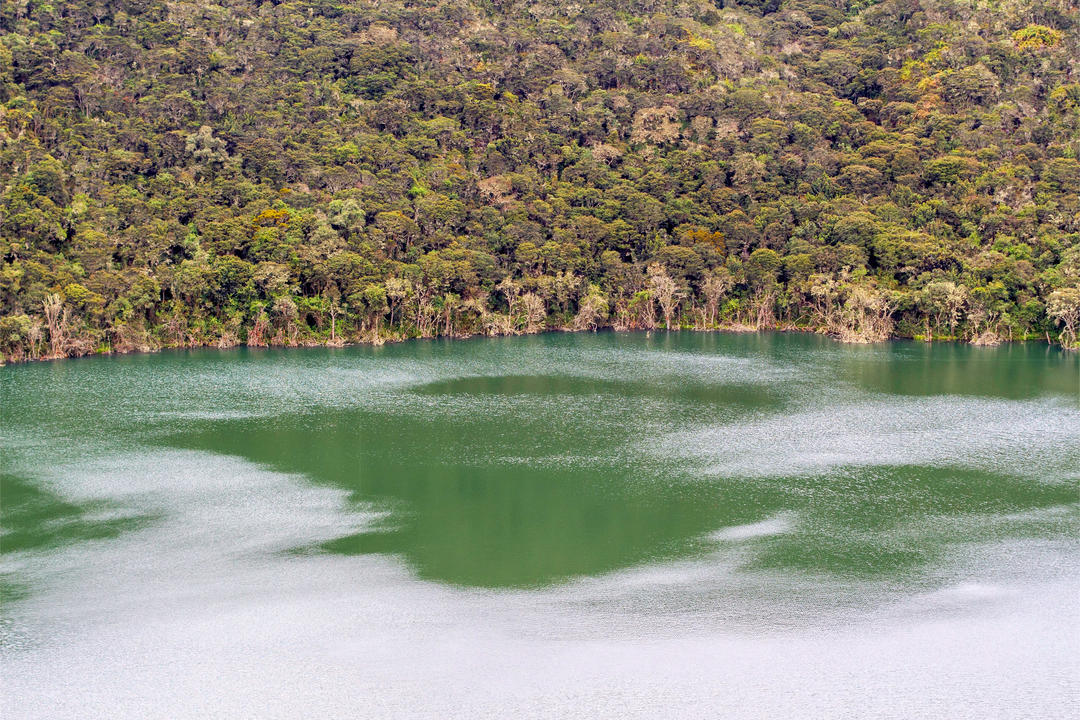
731,329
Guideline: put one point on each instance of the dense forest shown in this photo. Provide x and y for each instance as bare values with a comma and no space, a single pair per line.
181,173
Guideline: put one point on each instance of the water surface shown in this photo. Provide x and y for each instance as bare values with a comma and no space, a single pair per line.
551,526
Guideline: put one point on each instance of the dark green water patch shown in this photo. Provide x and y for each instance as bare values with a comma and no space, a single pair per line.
755,397
1015,371
34,518
890,520
483,505
519,501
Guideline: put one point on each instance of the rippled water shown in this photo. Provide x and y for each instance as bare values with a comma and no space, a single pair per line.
683,525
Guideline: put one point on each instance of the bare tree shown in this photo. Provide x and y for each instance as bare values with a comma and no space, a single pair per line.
177,328
425,310
1063,305
287,313
666,291
34,337
335,308
535,311
55,318
866,315
592,308
511,290
715,287
257,334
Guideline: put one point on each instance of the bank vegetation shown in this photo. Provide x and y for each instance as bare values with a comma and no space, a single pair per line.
179,174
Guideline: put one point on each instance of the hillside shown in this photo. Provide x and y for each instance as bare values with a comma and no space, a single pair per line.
321,171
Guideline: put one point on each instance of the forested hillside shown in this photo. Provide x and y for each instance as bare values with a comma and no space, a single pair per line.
178,173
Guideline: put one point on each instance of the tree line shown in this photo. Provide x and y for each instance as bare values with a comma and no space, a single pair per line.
178,174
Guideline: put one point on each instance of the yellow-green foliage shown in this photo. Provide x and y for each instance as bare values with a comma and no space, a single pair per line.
697,42
1036,36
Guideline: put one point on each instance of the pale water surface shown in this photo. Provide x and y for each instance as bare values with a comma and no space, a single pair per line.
609,525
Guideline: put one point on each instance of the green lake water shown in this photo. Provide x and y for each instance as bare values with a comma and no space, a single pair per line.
563,525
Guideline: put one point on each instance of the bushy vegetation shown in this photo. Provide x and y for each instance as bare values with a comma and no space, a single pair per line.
182,173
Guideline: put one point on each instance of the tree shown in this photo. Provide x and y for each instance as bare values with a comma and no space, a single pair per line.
375,304
715,287
15,336
592,309
1063,305
944,300
866,314
533,310
762,272
334,306
397,291
56,319
285,311
666,291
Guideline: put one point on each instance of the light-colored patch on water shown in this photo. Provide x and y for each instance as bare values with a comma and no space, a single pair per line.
1037,437
203,517
776,525
670,365
201,614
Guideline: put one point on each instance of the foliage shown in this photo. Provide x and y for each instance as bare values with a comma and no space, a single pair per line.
184,173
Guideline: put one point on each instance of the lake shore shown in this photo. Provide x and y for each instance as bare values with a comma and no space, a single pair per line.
361,339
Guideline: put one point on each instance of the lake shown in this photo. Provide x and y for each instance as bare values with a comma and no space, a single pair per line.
562,525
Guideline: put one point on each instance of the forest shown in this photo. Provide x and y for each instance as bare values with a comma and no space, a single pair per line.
179,173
